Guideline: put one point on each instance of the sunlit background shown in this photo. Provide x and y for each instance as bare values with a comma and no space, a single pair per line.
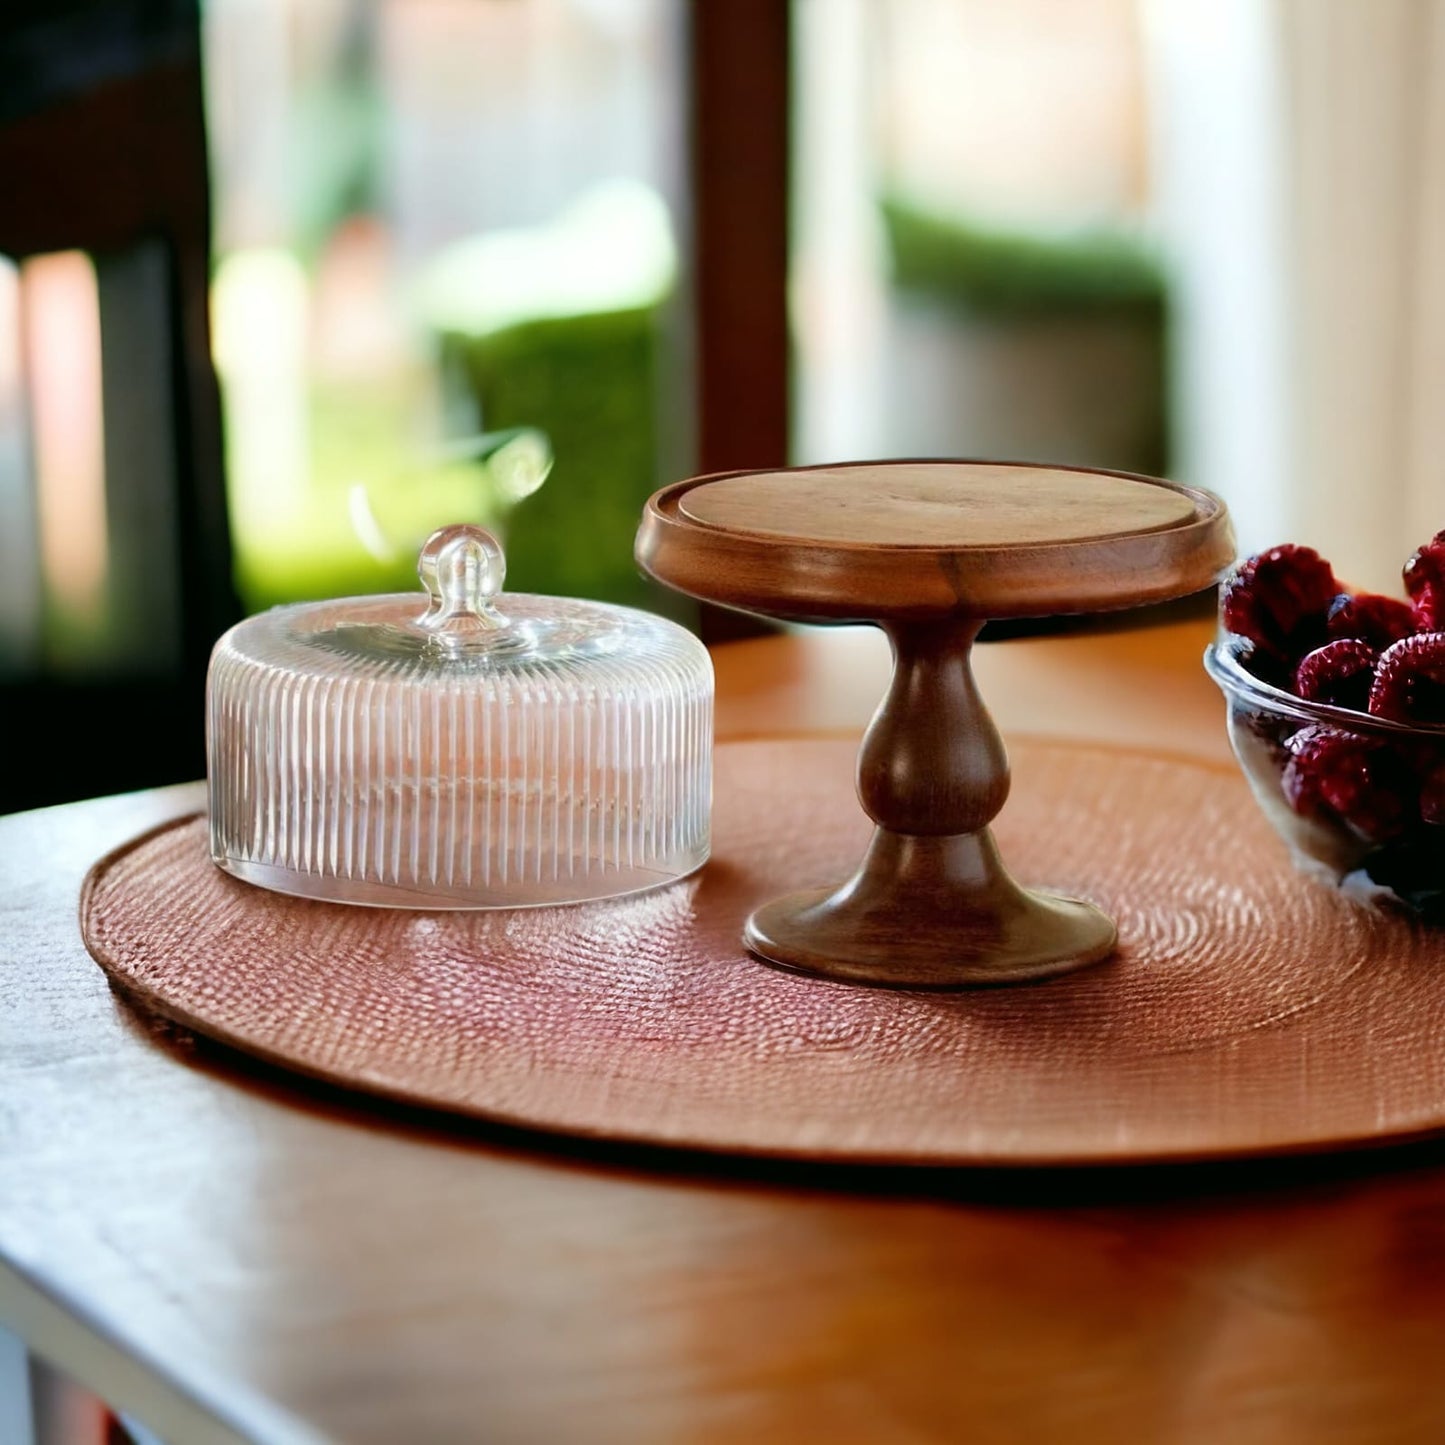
450,281
436,222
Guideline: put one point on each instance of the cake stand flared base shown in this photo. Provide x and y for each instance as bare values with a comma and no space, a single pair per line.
930,913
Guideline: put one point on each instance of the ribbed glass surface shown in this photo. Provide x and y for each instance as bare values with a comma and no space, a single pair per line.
547,751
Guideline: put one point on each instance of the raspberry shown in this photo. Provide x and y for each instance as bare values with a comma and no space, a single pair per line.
1360,780
1409,681
1279,600
1428,608
1339,673
1265,665
1427,566
1425,582
1371,618
1432,796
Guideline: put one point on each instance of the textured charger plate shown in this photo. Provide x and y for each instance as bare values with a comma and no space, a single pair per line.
1248,1010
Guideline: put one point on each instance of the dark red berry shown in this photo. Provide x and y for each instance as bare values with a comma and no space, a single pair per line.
1428,609
1264,664
1362,781
1279,600
1409,681
1432,795
1339,673
1427,566
1371,618
1425,582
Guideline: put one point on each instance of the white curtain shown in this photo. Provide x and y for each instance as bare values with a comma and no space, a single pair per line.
1300,165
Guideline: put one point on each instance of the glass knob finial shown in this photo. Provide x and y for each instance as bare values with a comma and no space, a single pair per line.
462,568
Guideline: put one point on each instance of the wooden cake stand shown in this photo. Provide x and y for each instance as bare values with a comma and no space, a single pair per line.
929,551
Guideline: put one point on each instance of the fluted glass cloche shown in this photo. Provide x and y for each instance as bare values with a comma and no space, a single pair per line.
467,749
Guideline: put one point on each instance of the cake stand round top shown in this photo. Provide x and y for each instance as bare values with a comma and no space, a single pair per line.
919,539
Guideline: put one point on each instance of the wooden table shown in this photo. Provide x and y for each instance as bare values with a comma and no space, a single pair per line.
235,1255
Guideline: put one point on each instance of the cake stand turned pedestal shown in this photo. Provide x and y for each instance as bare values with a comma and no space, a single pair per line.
929,551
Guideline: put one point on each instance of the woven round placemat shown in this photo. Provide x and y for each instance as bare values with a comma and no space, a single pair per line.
1247,1010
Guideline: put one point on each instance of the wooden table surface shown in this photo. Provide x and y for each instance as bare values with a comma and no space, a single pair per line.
234,1255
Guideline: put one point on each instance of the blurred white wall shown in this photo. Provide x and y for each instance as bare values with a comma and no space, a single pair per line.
1299,160
1024,115
837,283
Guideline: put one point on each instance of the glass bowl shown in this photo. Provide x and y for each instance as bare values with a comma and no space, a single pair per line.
1359,799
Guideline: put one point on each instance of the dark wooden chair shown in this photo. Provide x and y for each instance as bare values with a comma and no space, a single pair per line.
102,150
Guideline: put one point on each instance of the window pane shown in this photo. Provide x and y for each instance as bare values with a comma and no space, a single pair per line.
971,275
447,237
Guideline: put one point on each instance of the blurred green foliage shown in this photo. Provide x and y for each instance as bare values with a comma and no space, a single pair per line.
996,271
362,469
591,383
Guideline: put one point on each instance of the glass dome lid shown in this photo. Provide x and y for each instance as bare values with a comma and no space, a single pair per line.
470,749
